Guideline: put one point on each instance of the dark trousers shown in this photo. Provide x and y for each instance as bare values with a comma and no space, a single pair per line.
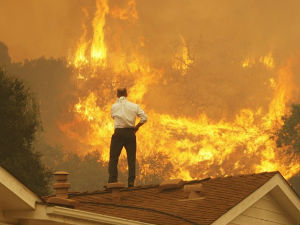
122,137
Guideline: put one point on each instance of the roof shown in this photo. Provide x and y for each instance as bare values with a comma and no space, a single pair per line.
150,204
14,195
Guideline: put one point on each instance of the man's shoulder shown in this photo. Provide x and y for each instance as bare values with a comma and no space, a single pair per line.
115,105
133,105
128,103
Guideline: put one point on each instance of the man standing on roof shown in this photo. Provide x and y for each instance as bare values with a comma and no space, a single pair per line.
124,114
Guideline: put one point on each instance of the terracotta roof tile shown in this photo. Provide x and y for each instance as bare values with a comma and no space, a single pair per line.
149,204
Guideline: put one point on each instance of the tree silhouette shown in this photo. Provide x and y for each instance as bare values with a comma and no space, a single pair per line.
289,134
19,119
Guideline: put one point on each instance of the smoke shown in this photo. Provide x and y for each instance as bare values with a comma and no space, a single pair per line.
52,83
220,35
4,56
247,27
34,28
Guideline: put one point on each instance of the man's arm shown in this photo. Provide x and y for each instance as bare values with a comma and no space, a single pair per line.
136,128
112,111
141,114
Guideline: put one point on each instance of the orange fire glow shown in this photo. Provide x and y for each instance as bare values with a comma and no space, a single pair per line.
182,59
169,146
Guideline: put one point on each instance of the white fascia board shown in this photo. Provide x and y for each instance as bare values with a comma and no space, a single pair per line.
288,198
68,216
276,181
22,197
91,217
291,194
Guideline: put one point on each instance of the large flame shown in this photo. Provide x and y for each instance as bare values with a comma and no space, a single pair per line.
169,146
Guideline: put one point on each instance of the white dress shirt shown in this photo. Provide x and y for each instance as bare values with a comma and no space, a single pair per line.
125,112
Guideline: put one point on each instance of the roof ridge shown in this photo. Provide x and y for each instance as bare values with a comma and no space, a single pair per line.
247,174
149,186
105,191
197,181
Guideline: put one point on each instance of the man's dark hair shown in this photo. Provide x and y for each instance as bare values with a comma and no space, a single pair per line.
122,92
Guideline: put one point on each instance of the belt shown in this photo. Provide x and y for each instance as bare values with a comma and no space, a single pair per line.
125,128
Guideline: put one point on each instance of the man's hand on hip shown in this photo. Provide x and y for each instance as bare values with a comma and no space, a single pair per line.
136,128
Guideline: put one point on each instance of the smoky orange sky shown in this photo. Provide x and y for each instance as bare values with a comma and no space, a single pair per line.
50,28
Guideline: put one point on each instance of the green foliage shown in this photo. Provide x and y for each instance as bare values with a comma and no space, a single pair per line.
52,82
19,119
289,134
87,173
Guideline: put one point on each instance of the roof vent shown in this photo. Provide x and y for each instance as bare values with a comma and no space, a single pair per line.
171,184
61,186
195,191
61,190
